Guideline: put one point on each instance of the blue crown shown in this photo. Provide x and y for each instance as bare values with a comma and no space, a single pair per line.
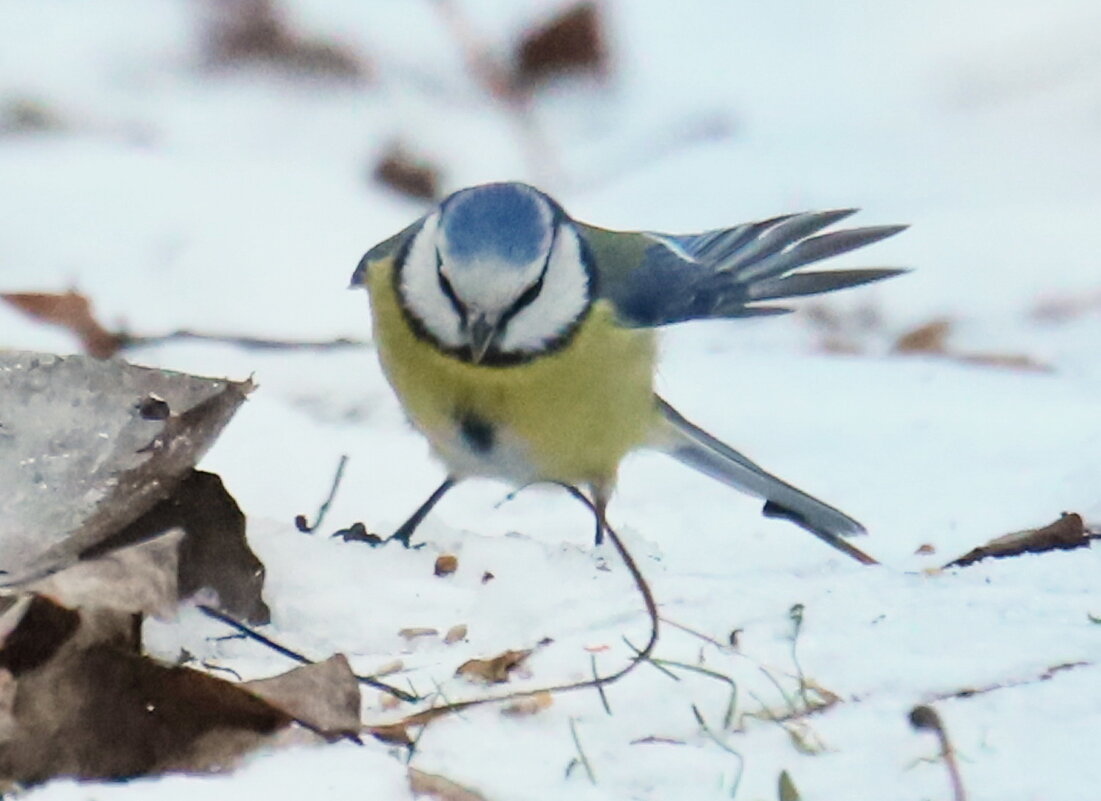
509,222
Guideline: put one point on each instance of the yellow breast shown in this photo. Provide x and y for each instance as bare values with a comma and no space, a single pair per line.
568,416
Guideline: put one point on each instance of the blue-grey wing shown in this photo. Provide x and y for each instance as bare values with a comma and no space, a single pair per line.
662,278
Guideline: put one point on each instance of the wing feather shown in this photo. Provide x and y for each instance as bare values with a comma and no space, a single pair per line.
667,279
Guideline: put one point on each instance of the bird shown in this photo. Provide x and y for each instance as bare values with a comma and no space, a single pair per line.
521,343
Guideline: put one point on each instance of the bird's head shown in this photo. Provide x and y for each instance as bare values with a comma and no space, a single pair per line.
496,274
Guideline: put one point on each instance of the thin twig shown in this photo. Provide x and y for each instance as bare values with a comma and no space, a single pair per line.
584,760
252,634
695,633
300,520
926,718
132,341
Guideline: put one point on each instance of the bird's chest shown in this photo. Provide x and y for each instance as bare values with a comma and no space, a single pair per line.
566,416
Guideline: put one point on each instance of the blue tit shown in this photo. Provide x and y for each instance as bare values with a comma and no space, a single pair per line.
521,342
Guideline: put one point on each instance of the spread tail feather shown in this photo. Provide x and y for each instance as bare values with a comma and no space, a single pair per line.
696,448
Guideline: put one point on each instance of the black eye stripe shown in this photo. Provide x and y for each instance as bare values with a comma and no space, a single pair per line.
449,291
532,292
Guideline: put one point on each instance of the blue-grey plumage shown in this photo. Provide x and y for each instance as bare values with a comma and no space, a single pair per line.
519,340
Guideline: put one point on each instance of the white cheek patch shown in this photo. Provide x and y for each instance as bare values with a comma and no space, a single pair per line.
420,287
563,299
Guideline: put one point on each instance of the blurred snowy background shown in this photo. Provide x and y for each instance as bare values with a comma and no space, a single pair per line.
220,167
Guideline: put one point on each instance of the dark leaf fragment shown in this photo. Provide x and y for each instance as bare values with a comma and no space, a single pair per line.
1065,534
254,32
214,553
407,174
571,43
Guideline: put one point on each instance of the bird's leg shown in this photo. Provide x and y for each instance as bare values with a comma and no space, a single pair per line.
598,506
406,529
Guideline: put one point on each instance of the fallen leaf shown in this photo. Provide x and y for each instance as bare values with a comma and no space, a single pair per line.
254,32
438,787
925,549
395,734
455,634
73,312
404,173
214,553
446,565
571,42
137,578
492,671
531,705
323,696
1065,534
82,702
931,337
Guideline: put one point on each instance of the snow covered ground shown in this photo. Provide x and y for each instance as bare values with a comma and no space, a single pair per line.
177,194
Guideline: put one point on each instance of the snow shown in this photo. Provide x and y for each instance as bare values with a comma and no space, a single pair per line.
179,194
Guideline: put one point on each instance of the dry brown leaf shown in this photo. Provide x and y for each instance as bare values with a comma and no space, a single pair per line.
571,42
254,32
455,634
73,312
446,565
1065,534
931,337
324,696
395,734
438,787
404,173
82,702
533,704
925,549
492,671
